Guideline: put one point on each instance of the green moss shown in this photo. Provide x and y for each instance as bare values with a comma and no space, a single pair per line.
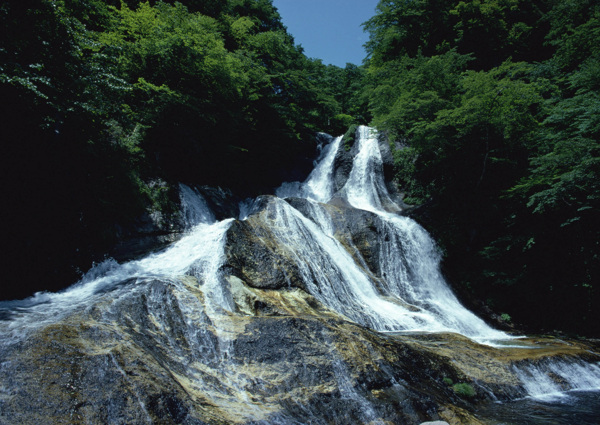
348,138
464,390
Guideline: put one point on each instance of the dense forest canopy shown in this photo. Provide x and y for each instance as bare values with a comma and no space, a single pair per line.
108,104
498,104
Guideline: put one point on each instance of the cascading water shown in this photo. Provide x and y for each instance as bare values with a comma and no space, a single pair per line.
188,320
552,378
365,188
198,253
225,350
195,210
416,297
319,184
333,277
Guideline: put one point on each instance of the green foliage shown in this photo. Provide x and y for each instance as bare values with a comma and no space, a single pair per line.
412,90
497,104
464,390
349,137
447,381
408,28
491,30
462,126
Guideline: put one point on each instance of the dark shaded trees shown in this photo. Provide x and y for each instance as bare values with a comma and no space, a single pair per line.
498,105
108,104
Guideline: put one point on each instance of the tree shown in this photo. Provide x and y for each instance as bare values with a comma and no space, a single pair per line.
497,107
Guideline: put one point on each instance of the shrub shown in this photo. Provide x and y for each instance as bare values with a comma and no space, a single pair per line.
464,390
348,138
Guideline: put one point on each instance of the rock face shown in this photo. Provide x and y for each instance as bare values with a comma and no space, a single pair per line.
303,312
138,356
153,352
253,257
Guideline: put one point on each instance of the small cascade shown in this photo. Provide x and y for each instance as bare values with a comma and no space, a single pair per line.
195,210
247,207
416,297
196,254
410,262
552,378
365,188
319,184
332,276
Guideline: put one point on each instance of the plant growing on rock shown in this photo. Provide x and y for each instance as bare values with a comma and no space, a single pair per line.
464,390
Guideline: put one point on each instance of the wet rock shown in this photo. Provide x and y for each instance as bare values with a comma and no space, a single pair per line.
221,201
159,351
342,165
253,256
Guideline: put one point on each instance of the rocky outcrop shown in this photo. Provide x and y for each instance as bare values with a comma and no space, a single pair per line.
253,257
156,352
267,320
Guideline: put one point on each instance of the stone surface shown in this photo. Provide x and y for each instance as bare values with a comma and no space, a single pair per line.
168,351
253,257
151,353
158,352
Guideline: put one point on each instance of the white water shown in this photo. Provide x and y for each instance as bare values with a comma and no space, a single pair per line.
195,210
554,378
365,188
415,297
332,276
198,253
319,184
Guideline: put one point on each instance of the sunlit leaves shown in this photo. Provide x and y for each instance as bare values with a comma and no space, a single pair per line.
504,146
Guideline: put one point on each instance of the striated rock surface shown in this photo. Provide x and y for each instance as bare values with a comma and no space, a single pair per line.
327,308
153,352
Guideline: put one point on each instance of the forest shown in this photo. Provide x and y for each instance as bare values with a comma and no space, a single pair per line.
108,105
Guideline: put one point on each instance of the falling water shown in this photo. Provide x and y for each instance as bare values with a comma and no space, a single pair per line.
195,210
319,184
551,378
333,277
416,297
190,313
365,188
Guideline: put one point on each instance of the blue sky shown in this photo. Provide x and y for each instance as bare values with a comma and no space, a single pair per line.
328,29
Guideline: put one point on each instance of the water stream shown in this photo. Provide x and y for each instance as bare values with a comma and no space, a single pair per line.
416,297
406,292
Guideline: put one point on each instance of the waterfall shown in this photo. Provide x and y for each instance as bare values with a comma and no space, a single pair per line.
356,308
195,210
554,378
416,297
